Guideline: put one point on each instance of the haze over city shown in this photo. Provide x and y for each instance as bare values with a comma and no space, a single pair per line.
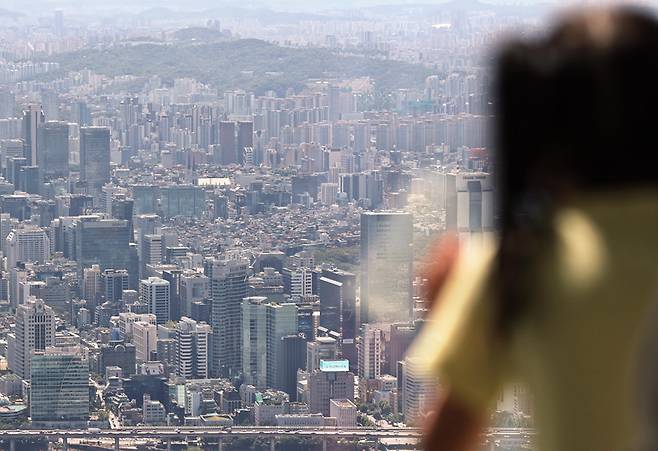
214,217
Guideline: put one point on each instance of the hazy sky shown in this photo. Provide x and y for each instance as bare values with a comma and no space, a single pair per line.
42,7
274,4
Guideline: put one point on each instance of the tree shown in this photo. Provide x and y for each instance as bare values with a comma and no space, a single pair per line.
385,407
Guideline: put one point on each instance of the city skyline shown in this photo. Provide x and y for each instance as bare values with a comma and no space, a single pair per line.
224,217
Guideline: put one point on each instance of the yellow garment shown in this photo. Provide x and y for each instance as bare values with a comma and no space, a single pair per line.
576,346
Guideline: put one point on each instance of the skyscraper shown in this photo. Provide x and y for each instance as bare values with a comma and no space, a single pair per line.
147,224
418,389
281,321
33,118
297,281
332,381
50,104
183,200
104,242
401,338
95,158
114,281
371,351
59,388
53,150
330,303
293,359
192,349
337,290
30,179
447,198
475,199
91,283
9,149
228,285
386,267
27,244
193,288
254,343
154,292
245,138
35,330
227,143
322,348
59,23
145,339
264,325
145,197
151,252
333,99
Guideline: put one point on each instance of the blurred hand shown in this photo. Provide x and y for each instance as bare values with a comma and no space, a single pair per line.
438,263
451,426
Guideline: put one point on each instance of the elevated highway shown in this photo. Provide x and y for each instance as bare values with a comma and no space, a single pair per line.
217,435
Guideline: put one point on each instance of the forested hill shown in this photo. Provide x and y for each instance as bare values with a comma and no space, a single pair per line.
227,65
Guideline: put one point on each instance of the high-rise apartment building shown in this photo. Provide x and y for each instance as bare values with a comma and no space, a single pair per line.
328,193
386,267
34,331
154,292
192,349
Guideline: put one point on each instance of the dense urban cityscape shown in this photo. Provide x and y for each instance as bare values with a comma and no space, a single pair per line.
217,220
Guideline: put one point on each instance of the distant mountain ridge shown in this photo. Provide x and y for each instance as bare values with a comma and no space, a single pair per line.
247,63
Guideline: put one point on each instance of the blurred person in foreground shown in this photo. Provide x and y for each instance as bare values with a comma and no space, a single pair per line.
562,301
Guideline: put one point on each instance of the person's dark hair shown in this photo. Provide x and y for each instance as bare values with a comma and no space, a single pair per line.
576,110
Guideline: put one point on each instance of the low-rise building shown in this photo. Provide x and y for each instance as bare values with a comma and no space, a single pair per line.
344,411
153,412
